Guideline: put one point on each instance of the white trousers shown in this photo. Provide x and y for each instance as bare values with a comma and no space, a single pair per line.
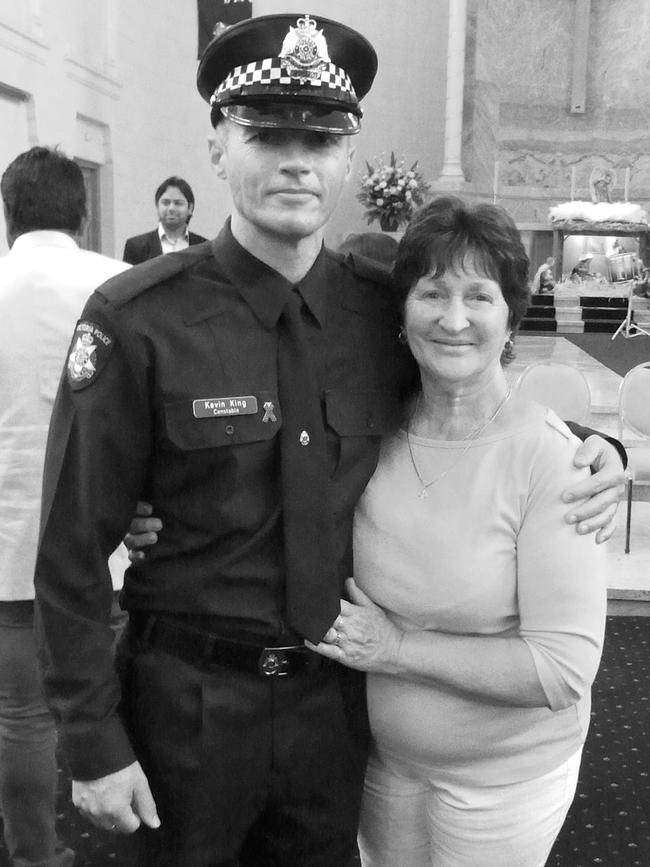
409,819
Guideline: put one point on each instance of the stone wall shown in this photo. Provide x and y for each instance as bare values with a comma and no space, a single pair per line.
518,98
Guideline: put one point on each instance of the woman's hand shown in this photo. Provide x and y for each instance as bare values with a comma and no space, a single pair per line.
362,637
601,492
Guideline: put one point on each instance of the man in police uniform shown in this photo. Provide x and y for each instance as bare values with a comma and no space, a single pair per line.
179,392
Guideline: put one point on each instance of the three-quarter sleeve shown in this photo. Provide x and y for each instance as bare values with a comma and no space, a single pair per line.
561,582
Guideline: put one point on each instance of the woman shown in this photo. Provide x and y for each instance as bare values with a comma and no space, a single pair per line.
478,615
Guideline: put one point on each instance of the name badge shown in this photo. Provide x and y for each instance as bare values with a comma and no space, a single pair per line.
210,407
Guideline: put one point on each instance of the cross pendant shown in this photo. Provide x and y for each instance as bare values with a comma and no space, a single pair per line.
423,494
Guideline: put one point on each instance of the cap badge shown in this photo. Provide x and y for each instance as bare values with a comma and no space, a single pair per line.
304,52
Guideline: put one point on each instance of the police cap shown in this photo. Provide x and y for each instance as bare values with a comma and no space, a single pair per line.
288,72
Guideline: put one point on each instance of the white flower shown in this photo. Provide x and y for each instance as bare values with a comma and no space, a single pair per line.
379,202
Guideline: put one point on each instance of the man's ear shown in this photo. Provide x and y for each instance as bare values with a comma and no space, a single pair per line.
348,169
217,152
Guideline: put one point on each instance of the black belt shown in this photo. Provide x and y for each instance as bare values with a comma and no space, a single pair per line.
205,649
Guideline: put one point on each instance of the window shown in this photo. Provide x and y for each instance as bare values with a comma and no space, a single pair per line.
91,236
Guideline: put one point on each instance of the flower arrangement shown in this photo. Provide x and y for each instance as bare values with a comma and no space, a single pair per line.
390,192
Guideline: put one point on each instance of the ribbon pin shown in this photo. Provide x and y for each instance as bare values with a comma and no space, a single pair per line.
269,415
304,438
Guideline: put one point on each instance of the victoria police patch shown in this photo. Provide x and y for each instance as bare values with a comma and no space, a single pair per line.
88,354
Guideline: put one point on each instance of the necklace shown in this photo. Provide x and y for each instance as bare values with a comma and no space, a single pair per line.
470,437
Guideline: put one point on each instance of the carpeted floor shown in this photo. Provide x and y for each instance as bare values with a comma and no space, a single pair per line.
619,355
609,822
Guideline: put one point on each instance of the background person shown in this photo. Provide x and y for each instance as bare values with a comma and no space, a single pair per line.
45,280
175,205
377,246
478,615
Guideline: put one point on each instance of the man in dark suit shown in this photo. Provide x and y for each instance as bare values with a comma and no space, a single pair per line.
175,205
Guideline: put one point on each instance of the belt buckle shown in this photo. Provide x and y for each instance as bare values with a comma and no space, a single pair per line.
274,662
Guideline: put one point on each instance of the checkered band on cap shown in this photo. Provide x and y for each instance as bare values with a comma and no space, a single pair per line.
255,79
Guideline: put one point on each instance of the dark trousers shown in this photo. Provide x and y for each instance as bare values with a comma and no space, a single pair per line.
247,770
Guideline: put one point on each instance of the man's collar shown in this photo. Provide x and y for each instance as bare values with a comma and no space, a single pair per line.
163,234
44,238
263,288
312,288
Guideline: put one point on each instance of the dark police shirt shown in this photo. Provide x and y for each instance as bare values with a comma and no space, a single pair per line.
171,396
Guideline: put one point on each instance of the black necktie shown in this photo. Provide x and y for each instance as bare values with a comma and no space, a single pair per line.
312,591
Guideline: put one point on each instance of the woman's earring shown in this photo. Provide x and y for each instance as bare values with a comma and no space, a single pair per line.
508,350
401,336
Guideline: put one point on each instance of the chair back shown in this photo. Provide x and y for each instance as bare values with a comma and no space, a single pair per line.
559,386
634,401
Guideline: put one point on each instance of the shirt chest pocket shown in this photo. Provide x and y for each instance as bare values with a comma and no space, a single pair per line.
365,413
219,422
355,422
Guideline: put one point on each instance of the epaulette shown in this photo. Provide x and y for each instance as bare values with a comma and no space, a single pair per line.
126,285
368,269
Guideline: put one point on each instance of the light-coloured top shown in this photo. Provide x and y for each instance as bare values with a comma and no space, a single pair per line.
173,246
488,553
45,280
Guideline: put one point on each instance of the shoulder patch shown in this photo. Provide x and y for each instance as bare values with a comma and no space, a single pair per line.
88,353
368,269
126,285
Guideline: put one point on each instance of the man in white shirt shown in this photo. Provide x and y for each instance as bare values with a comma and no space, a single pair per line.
175,205
45,280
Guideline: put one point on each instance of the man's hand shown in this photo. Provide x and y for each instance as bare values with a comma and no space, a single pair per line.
602,490
119,802
143,531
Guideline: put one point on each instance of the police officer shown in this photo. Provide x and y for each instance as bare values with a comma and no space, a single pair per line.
254,754
247,408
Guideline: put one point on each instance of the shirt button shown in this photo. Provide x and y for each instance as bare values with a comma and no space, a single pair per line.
370,423
230,429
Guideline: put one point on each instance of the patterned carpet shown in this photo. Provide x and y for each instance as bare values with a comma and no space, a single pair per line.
609,823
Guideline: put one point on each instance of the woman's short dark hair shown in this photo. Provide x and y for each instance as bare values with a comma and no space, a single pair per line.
444,231
43,189
175,181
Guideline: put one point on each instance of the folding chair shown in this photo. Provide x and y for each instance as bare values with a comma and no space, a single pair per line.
559,386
